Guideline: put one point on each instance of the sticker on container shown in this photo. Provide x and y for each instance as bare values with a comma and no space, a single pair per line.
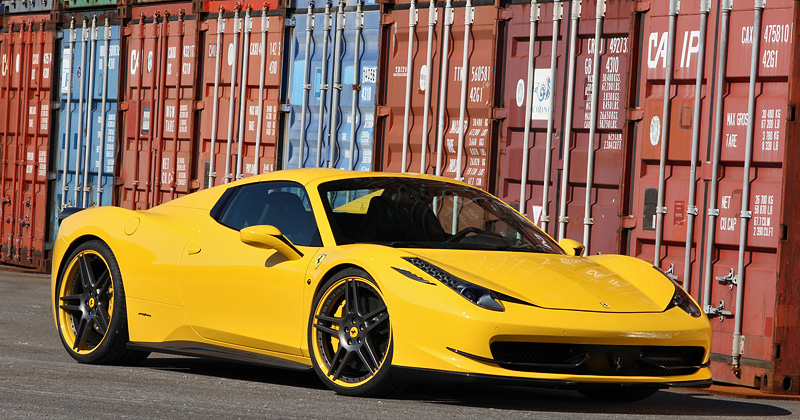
150,62
145,120
542,89
66,67
134,61
520,92
231,54
655,130
5,64
537,214
423,77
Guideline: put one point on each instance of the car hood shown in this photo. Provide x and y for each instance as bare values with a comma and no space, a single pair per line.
608,283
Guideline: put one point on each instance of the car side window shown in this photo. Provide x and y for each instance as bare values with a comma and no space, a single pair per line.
284,205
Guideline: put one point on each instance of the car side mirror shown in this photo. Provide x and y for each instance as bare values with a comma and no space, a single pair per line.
572,247
269,237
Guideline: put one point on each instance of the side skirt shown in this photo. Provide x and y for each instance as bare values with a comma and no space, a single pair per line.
208,351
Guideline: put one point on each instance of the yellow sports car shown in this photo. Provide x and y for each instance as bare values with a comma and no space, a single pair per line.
372,280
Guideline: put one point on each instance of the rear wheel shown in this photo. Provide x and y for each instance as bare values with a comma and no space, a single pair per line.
350,336
618,393
90,307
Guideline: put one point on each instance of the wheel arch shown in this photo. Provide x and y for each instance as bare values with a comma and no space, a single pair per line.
72,247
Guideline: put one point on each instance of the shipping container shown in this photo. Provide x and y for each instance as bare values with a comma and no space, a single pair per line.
26,6
440,91
566,168
86,134
26,48
713,164
332,85
241,82
159,136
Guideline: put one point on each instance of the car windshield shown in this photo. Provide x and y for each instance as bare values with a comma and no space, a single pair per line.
421,213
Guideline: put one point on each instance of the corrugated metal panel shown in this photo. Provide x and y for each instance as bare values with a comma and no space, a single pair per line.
335,76
87,116
736,235
240,136
160,132
213,6
25,101
29,6
429,138
596,144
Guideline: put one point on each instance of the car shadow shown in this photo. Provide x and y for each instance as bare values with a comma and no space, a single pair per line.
678,403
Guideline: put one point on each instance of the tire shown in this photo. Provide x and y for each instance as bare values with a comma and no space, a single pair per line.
90,308
618,393
354,360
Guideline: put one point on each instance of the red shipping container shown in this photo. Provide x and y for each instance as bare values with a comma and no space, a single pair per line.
428,138
549,83
26,57
239,136
719,201
159,130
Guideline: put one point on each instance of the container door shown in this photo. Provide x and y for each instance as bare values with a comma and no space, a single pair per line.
333,85
87,116
27,57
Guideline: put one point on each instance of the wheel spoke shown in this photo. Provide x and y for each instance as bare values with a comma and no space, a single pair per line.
383,317
337,359
331,319
351,297
72,308
104,282
345,360
82,333
368,359
71,298
101,319
85,271
325,329
375,312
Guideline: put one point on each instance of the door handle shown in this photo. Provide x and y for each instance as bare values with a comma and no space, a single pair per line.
192,249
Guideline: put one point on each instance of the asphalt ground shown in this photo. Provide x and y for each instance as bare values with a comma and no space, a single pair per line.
39,380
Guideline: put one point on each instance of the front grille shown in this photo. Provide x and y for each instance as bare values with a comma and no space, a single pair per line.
581,359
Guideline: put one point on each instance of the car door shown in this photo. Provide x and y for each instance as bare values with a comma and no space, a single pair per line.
241,294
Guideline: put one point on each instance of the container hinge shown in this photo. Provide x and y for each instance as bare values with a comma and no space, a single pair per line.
123,106
286,107
718,311
382,111
588,220
290,23
661,210
692,209
713,212
203,26
198,105
634,114
628,222
730,279
791,111
499,113
671,273
55,105
746,214
641,6
52,176
563,219
738,345
126,31
508,14
387,20
544,218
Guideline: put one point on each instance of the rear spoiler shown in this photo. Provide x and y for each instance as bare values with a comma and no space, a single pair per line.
67,212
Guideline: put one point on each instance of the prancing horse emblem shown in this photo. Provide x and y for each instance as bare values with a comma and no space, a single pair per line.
605,305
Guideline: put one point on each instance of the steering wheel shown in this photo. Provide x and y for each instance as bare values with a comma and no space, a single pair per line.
462,233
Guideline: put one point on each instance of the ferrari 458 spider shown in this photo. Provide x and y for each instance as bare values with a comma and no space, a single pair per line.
372,280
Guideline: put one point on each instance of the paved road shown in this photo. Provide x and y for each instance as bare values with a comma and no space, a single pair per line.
39,380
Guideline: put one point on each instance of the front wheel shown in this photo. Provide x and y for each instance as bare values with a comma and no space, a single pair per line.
90,307
350,336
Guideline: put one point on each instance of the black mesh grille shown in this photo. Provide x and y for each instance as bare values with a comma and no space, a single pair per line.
601,360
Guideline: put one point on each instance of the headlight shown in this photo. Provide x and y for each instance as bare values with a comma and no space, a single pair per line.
478,295
682,299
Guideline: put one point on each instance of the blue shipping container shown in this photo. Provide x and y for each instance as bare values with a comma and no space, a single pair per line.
88,94
303,145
